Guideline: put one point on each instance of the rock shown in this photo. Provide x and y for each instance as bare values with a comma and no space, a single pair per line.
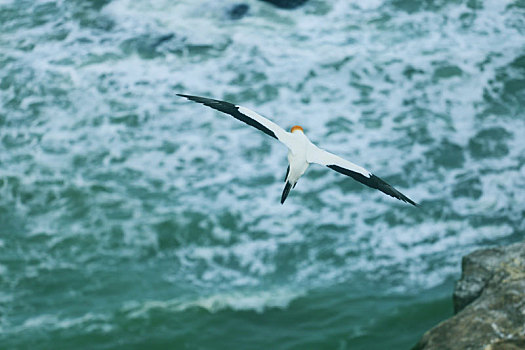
287,4
489,301
478,268
238,11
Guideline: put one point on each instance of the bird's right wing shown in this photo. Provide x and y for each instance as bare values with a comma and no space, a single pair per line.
316,155
245,115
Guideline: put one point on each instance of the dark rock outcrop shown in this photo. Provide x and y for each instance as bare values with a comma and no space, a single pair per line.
489,301
238,11
287,4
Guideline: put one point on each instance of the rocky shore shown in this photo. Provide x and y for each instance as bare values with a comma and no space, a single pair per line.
489,304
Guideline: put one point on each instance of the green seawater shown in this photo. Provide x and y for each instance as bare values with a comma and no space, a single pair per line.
131,218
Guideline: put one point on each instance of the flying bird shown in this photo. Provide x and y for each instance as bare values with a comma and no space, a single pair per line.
301,151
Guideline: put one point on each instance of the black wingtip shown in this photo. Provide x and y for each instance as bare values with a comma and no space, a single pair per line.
196,98
384,187
413,203
231,109
374,182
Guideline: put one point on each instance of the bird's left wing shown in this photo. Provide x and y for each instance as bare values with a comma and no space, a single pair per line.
245,115
343,166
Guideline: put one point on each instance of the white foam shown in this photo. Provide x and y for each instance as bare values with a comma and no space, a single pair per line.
89,322
257,301
305,69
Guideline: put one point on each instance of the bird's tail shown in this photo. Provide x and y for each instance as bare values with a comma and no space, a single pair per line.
286,190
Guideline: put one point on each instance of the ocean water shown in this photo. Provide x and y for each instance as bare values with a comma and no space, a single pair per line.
131,218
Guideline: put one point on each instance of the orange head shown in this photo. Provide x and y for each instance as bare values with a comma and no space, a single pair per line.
296,128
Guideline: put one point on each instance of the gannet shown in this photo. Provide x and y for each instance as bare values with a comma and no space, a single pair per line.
301,151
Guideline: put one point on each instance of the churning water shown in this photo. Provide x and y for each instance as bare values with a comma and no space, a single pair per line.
131,218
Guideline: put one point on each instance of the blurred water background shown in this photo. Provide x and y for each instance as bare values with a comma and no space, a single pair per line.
133,219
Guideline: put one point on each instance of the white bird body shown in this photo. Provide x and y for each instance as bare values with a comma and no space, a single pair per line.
301,151
297,156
